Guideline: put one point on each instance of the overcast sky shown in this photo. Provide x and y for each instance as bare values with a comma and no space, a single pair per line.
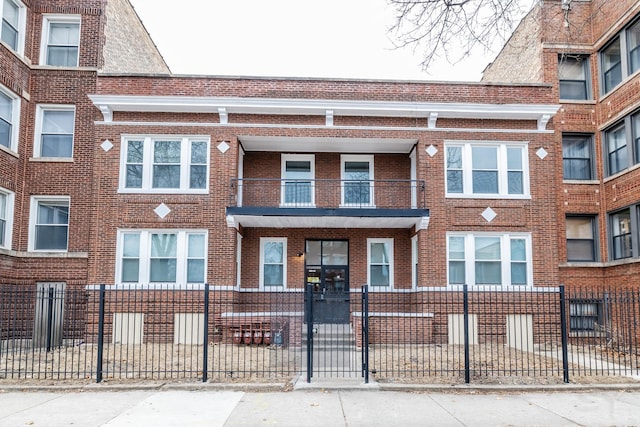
288,38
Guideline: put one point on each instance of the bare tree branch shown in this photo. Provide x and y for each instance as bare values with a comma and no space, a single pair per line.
452,29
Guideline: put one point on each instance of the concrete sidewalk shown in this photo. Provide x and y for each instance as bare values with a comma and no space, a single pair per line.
350,406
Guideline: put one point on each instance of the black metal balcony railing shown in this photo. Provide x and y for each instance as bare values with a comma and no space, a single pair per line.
328,193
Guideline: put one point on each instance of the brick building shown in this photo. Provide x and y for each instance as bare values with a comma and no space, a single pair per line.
588,51
115,171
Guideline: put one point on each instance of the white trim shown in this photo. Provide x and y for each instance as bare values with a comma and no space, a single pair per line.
22,26
15,119
414,179
47,20
263,241
390,250
144,255
147,164
319,107
33,217
395,314
9,214
505,258
238,260
415,257
502,164
40,110
357,158
311,158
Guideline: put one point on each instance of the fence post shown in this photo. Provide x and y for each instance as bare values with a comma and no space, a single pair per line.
205,352
365,333
309,312
465,303
563,332
100,333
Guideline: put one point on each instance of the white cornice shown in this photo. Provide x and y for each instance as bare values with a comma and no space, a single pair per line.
108,104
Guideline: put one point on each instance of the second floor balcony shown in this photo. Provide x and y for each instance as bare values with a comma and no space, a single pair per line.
312,203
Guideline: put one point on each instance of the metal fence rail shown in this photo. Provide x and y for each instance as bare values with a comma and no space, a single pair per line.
208,333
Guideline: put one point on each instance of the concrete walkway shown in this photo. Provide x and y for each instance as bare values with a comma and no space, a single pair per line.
323,405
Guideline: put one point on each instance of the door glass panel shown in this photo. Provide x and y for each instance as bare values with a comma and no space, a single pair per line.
313,253
335,253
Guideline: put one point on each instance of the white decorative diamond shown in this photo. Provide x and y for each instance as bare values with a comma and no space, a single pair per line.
106,145
431,150
542,153
162,210
489,214
223,147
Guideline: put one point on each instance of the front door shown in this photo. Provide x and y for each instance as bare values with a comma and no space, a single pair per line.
327,270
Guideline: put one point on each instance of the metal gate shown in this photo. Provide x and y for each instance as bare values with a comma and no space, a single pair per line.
336,350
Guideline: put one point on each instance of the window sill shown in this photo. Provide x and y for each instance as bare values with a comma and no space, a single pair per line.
52,159
621,173
488,196
161,191
578,101
43,254
589,264
580,181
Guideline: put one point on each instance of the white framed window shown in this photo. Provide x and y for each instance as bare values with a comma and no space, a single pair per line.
380,263
273,262
49,223
6,217
9,119
55,126
487,170
357,181
161,256
60,40
164,164
298,180
489,259
415,258
13,24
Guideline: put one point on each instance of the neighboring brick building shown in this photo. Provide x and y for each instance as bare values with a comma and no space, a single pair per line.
590,52
115,171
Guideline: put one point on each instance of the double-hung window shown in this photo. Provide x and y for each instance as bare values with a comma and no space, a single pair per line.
357,181
577,157
380,263
9,117
585,314
611,62
165,164
581,238
621,237
6,218
49,229
13,24
489,259
273,262
620,58
574,77
633,46
617,148
298,180
487,170
162,256
60,40
54,131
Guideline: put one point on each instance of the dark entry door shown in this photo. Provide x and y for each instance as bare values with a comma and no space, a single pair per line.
328,271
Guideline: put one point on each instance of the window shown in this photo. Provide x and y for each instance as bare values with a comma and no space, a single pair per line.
573,71
357,181
49,224
611,62
577,157
165,165
487,170
635,124
13,24
489,259
633,43
581,242
9,117
617,152
415,259
273,265
585,314
380,263
54,131
60,40
6,218
621,238
162,256
298,173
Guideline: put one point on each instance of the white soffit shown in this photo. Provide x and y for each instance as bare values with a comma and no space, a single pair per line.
278,106
327,145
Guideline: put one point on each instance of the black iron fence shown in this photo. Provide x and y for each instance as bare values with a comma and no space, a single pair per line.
220,334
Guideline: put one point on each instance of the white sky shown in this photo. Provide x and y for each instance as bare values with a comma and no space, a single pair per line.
288,38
